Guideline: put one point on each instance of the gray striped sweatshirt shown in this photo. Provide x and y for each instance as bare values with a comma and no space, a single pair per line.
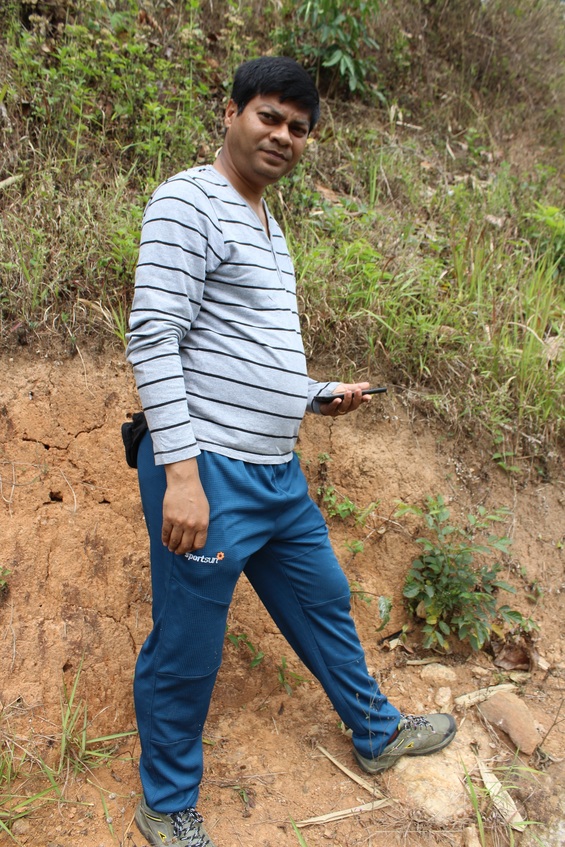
214,335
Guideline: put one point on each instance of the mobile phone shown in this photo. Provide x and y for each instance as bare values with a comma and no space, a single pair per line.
327,398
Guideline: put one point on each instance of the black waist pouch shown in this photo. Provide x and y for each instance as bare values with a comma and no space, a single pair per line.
132,433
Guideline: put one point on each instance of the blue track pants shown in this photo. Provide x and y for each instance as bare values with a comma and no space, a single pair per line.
262,522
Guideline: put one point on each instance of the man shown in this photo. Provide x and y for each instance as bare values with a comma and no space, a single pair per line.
219,363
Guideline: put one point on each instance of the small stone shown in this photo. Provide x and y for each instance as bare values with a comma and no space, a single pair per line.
20,827
438,673
508,712
443,698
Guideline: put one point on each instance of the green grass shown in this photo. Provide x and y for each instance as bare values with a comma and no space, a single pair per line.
435,262
33,772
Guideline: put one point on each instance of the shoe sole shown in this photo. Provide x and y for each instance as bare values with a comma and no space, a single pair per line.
428,752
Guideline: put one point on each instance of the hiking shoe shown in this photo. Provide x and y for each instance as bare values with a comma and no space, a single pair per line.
182,829
417,736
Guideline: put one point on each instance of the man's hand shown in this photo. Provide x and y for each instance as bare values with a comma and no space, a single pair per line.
352,400
185,508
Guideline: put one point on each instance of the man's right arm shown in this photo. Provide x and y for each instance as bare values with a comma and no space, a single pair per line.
185,508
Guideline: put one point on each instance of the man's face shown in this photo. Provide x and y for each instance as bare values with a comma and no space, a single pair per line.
267,139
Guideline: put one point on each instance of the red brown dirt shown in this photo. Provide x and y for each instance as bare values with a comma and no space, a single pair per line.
74,541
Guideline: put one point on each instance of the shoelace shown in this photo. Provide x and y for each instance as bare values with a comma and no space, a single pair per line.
415,722
184,825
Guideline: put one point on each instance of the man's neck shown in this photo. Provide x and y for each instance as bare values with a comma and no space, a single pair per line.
252,194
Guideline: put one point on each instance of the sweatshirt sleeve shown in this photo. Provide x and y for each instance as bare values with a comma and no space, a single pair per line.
315,388
181,242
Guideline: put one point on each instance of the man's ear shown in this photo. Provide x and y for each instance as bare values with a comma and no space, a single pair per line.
230,113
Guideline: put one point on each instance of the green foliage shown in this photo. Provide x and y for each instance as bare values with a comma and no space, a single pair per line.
334,36
27,780
447,586
78,752
289,680
242,640
104,83
450,302
4,574
547,226
442,268
385,608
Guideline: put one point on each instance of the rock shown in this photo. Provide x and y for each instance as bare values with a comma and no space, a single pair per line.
443,698
20,827
435,784
509,713
438,673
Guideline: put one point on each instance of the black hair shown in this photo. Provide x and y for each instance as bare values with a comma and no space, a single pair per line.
276,75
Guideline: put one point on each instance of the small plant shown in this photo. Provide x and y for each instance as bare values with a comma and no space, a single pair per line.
4,574
359,592
449,589
77,752
338,505
493,804
354,547
341,506
385,608
242,639
504,457
289,679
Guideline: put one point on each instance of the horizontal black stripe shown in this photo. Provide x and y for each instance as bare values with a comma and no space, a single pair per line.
246,383
240,358
211,399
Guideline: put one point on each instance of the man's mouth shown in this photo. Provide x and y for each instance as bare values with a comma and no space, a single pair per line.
277,154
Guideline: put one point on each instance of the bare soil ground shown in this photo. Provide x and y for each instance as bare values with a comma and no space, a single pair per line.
74,542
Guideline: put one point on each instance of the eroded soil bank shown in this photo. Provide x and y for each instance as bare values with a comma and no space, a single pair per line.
75,546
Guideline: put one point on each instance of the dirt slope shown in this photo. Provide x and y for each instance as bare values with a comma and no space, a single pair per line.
74,542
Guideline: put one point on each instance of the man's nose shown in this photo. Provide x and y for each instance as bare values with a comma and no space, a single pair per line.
282,134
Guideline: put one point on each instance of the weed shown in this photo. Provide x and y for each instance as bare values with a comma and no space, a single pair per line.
355,546
358,592
449,589
289,680
77,752
495,811
385,608
548,230
242,640
4,574
341,506
503,457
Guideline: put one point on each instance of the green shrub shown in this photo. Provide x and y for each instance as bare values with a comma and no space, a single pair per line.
333,37
448,588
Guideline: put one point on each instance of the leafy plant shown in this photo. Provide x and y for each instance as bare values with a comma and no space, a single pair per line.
4,574
334,36
242,639
288,679
341,506
385,608
548,228
456,595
